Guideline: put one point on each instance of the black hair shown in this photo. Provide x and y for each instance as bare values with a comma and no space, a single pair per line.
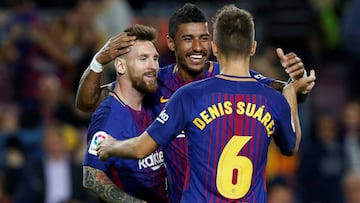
189,13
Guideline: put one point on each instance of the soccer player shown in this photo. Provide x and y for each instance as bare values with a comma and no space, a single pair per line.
228,119
120,180
189,37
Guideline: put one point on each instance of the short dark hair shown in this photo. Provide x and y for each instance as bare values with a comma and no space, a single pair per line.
142,32
233,30
189,13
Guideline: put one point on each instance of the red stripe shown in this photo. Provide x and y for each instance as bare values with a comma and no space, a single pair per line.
116,178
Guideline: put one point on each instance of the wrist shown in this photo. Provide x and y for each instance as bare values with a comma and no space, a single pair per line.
96,66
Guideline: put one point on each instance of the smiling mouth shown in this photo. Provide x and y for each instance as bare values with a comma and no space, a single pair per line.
196,58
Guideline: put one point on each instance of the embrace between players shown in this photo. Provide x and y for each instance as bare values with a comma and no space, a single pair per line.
196,130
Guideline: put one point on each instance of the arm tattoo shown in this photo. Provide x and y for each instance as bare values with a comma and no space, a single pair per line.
98,182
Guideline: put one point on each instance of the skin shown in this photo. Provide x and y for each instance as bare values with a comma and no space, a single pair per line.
192,48
96,181
143,145
191,39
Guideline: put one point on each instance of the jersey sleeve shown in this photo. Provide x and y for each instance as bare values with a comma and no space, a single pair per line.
91,158
285,138
171,120
103,123
262,79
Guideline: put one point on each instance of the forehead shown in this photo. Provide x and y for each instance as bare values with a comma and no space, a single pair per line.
195,29
143,48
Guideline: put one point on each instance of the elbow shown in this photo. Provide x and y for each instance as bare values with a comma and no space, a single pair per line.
84,106
290,152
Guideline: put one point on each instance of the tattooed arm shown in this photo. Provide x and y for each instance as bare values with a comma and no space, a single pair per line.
98,182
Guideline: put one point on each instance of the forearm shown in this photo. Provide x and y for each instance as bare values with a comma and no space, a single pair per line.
133,148
129,149
98,182
89,91
279,86
291,98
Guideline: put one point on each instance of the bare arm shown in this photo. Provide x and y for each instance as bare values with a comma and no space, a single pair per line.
289,93
136,147
295,69
98,182
89,93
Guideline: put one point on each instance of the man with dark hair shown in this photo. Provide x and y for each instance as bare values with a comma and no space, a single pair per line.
189,37
119,179
229,121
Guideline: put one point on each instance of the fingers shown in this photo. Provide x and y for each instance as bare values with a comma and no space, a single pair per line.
114,47
296,70
292,64
312,73
282,57
120,44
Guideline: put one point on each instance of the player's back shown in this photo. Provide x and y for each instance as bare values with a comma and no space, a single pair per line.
230,123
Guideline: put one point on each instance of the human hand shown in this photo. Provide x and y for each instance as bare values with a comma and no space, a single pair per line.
114,47
105,148
292,64
304,84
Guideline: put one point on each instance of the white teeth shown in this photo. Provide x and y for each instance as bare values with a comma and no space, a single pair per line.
196,56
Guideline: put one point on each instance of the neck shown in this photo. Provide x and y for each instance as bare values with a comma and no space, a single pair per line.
236,66
128,94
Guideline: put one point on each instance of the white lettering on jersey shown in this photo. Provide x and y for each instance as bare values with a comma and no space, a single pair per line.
97,138
181,134
163,117
259,77
154,161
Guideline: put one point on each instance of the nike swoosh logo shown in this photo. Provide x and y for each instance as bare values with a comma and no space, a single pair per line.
163,100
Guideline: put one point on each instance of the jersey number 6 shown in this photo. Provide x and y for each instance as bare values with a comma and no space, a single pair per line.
234,172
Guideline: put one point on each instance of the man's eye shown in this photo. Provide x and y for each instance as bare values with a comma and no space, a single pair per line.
205,38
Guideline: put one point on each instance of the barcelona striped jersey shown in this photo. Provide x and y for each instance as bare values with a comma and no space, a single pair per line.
229,122
176,152
145,178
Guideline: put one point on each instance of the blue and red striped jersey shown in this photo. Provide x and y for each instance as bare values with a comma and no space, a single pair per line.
228,124
176,152
145,178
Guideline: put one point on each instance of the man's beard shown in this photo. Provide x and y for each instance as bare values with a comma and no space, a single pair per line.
139,84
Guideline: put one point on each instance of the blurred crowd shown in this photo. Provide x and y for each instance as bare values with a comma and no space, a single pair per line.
46,45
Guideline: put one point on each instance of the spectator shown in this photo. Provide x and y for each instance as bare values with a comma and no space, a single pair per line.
54,177
322,164
351,187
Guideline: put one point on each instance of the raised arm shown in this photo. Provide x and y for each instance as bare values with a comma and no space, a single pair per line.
89,93
295,69
289,93
99,183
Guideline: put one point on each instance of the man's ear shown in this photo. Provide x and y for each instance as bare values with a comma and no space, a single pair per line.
253,49
215,49
120,66
170,43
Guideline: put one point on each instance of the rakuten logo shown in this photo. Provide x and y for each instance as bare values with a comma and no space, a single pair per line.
154,160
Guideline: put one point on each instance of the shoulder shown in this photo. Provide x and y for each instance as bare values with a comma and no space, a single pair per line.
165,70
198,87
213,67
108,113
